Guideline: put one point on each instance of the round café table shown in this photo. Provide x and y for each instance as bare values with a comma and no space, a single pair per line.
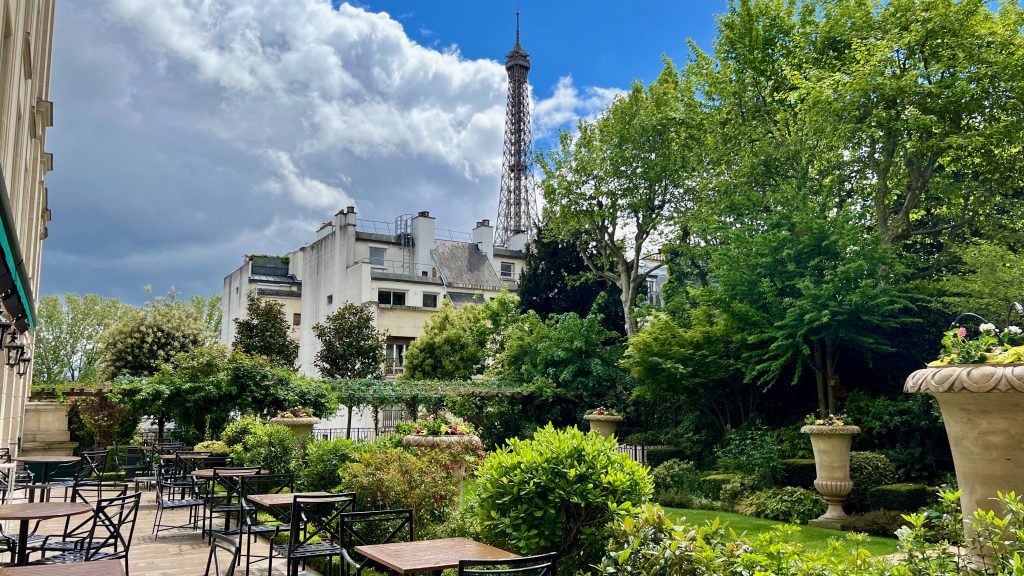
47,462
24,512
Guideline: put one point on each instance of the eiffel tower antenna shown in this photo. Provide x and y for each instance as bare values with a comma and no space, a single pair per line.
516,203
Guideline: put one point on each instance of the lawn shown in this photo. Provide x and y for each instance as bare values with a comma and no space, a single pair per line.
813,538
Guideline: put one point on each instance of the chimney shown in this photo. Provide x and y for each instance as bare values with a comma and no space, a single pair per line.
422,240
518,241
483,235
324,229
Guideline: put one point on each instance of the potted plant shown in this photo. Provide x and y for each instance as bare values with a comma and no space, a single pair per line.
299,419
454,435
603,420
978,382
831,438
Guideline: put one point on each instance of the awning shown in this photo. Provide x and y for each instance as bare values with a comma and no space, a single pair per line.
14,287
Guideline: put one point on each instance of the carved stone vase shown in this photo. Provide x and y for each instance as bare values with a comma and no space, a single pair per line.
455,442
983,409
603,424
299,426
831,446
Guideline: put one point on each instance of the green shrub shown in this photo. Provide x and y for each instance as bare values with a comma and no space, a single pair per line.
271,446
754,452
737,489
322,463
239,429
395,478
877,522
559,491
867,470
905,497
788,504
213,446
711,484
799,472
658,456
793,443
676,476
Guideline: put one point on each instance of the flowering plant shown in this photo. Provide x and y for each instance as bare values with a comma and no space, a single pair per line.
830,420
436,426
988,346
602,411
296,412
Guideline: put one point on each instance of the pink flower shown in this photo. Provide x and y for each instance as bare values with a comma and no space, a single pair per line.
962,332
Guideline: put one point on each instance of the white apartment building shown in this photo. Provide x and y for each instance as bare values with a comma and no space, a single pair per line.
402,270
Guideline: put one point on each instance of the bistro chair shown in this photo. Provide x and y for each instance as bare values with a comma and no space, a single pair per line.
261,521
224,553
372,527
223,495
540,565
315,530
74,537
110,535
176,490
88,468
12,480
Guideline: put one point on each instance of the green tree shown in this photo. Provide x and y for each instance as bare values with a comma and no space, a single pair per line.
453,345
987,281
616,188
264,332
68,334
144,338
350,344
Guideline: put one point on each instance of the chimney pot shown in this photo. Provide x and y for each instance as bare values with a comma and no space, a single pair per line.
424,213
350,209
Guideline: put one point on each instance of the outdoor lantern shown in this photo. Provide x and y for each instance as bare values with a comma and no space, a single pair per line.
5,327
14,350
23,363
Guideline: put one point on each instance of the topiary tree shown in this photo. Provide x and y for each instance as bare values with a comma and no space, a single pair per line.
350,344
561,490
452,347
144,338
264,332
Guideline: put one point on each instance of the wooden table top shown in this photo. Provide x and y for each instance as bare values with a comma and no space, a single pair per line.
185,456
207,473
47,459
42,510
430,555
281,500
95,568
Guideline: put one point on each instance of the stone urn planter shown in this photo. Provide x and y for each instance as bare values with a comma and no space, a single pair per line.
301,427
831,446
455,442
603,424
983,409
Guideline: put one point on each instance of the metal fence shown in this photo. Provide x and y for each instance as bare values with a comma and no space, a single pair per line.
357,434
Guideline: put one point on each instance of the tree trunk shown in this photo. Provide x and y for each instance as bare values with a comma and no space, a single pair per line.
348,425
160,429
627,296
819,379
830,375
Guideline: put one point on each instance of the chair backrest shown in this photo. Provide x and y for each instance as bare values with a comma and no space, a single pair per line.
167,448
5,455
540,565
318,518
113,526
373,527
268,484
224,554
92,464
90,493
230,479
191,461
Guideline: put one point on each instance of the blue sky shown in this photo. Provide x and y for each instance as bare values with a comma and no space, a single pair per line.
189,133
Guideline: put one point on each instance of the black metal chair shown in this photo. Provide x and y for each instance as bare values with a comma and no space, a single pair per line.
223,495
13,480
315,530
224,553
89,468
110,535
74,536
540,565
372,527
261,521
176,490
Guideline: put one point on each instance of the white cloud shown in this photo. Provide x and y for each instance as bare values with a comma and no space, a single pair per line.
175,119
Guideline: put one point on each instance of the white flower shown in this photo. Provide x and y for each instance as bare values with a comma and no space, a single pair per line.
1012,330
987,328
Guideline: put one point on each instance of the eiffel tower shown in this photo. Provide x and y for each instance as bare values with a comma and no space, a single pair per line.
517,209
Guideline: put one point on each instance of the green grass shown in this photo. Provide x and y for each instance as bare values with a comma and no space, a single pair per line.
812,538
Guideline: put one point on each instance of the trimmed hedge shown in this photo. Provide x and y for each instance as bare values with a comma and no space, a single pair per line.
712,484
799,472
867,470
658,456
877,522
906,497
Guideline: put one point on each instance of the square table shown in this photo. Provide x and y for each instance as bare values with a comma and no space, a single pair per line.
431,556
95,568
281,499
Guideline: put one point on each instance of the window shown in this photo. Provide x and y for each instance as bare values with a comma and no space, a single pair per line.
508,269
296,319
330,298
391,298
430,300
377,257
395,357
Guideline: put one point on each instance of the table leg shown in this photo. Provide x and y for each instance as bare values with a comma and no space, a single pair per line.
22,544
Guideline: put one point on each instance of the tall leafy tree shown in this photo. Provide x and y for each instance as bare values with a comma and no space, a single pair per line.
144,338
350,344
453,345
264,332
612,188
68,334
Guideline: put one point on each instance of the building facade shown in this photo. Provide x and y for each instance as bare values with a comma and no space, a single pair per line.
26,44
402,270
